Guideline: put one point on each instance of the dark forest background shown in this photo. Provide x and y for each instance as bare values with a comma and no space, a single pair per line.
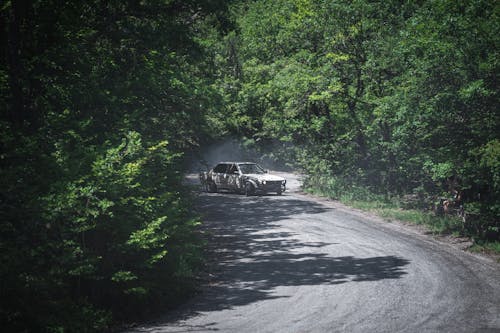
103,101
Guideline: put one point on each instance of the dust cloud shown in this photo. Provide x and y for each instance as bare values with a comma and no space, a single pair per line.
234,150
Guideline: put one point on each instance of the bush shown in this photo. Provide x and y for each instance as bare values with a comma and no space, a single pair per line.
96,243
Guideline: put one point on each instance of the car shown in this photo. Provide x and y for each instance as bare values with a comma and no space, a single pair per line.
242,177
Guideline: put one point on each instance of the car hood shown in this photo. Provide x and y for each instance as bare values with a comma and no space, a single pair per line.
266,177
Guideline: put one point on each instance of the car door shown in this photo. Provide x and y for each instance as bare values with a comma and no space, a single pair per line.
219,175
224,177
233,178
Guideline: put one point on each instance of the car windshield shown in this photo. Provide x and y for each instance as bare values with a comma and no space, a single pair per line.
251,168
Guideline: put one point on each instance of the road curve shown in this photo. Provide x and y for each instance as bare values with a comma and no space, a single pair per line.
294,263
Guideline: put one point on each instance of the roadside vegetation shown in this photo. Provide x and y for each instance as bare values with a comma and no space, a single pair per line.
100,101
410,209
383,104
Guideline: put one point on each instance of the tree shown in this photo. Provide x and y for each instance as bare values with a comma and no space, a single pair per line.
394,97
100,104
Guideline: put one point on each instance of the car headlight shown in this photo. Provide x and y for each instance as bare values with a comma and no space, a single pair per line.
263,182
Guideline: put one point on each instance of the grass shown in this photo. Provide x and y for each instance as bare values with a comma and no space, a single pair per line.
487,247
391,209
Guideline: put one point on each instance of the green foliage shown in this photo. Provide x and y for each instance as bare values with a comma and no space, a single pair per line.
101,100
490,159
487,247
389,98
374,100
118,234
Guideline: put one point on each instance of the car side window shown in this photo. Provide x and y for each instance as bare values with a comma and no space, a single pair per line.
232,169
221,168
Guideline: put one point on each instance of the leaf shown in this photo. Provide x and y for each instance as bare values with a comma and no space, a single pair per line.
123,276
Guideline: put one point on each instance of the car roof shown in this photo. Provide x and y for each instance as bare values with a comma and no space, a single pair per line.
236,163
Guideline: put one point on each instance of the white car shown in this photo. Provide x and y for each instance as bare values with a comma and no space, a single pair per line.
242,177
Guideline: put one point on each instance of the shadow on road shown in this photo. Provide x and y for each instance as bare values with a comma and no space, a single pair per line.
251,255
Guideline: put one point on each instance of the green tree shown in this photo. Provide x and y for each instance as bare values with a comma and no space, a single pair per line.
394,97
101,99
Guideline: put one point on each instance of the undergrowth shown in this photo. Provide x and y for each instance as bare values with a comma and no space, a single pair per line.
393,208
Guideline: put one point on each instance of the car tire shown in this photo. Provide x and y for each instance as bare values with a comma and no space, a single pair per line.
249,189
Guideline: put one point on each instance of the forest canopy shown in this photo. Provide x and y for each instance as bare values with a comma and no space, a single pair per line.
100,101
399,98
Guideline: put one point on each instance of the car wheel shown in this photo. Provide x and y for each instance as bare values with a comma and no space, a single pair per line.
249,189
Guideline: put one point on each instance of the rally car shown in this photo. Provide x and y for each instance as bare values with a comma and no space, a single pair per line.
242,177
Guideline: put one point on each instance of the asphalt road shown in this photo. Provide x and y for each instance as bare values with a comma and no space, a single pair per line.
294,263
